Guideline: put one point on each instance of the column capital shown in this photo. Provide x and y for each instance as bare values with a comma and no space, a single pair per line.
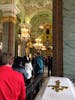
9,12
9,8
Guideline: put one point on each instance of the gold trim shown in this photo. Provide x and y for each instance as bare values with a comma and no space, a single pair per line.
12,11
57,87
9,19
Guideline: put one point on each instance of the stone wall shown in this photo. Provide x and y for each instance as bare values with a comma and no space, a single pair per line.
69,37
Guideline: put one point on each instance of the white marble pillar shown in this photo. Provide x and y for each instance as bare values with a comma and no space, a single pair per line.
69,37
9,26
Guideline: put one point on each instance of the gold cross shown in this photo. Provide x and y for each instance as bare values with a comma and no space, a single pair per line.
58,87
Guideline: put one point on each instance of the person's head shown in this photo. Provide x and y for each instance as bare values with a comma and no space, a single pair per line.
18,60
38,53
6,58
26,60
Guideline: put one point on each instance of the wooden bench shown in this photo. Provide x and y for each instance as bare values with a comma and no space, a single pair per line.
33,88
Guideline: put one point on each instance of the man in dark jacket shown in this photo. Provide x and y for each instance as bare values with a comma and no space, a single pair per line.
17,65
39,67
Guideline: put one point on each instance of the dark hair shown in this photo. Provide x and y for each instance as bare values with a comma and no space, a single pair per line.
18,60
25,60
5,58
38,53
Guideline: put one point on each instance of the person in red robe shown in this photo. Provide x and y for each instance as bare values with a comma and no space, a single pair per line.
12,86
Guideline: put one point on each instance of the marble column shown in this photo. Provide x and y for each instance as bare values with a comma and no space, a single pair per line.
69,38
9,27
23,45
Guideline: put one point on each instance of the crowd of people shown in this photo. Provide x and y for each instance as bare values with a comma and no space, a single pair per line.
16,73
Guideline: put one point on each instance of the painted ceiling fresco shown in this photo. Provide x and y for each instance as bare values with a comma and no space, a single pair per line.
37,12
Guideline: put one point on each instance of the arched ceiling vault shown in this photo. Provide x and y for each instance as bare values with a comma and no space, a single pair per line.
41,12
29,8
39,19
37,12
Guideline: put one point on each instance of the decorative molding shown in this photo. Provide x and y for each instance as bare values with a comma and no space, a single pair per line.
31,6
9,19
9,8
9,12
38,4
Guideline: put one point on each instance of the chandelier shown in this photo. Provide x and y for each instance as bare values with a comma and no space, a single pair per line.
38,44
25,31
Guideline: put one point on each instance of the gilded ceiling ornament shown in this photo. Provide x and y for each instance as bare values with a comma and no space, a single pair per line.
38,3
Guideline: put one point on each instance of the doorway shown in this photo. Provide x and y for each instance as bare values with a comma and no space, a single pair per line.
57,28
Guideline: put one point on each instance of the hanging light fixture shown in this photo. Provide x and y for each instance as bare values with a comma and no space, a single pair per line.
38,44
43,48
25,32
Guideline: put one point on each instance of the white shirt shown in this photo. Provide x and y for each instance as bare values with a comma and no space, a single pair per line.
29,68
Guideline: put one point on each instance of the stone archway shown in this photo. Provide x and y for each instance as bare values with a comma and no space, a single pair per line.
57,69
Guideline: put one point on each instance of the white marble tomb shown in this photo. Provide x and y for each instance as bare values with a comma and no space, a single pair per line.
65,90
